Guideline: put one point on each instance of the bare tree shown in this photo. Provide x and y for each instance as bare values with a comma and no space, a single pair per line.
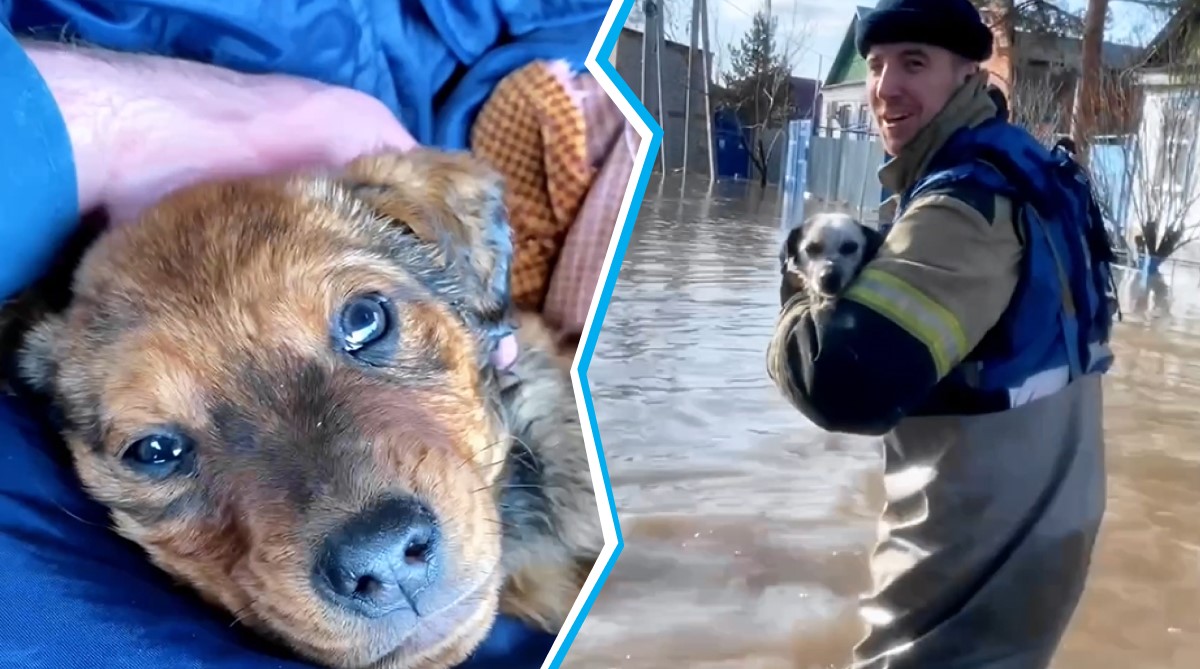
1154,174
1035,102
758,87
1089,102
1002,17
1044,17
1035,93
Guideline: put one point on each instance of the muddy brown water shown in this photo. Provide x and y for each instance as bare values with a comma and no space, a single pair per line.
746,527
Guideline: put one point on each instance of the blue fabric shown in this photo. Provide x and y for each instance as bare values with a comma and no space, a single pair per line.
38,193
433,62
1067,255
76,595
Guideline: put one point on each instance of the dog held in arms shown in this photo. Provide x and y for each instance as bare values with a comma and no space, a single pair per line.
823,255
281,389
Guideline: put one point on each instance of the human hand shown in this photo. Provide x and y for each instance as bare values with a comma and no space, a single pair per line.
142,126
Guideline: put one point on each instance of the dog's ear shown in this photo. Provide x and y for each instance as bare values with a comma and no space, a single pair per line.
30,323
790,246
872,242
455,202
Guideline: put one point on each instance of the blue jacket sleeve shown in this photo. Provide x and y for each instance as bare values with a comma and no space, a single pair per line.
38,192
432,62
76,596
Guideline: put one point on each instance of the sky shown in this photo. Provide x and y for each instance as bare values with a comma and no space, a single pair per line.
815,28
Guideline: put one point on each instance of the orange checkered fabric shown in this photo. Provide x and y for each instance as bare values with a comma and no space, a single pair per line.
562,146
533,132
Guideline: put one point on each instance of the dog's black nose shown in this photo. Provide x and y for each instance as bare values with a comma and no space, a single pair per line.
829,281
381,559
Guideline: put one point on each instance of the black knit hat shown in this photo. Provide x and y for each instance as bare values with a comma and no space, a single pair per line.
954,25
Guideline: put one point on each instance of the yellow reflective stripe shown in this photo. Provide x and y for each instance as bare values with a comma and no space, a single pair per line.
921,317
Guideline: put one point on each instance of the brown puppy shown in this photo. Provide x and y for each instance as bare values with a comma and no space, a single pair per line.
281,389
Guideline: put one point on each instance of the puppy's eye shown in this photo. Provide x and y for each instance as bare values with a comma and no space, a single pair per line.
363,322
848,248
813,248
158,455
366,329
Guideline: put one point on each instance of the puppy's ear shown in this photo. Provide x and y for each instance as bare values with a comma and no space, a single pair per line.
36,362
30,371
30,323
453,201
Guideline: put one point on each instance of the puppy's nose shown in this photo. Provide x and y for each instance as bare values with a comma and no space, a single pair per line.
381,559
829,281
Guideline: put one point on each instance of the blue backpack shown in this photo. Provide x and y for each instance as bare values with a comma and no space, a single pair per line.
1066,275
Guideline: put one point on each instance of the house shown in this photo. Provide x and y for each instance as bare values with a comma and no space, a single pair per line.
844,94
1044,69
806,99
1163,164
627,59
1041,71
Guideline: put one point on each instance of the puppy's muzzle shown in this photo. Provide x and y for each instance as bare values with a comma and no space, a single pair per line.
381,560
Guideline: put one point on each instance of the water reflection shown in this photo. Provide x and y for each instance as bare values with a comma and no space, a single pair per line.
746,527
1145,297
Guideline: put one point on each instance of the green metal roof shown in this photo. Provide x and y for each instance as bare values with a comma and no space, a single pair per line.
849,67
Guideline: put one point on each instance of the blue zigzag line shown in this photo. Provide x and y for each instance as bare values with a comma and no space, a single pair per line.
635,112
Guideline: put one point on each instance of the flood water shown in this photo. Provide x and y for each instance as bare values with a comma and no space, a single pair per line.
747,528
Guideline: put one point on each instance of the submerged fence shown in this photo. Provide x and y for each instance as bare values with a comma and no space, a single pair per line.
844,168
795,172
840,168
